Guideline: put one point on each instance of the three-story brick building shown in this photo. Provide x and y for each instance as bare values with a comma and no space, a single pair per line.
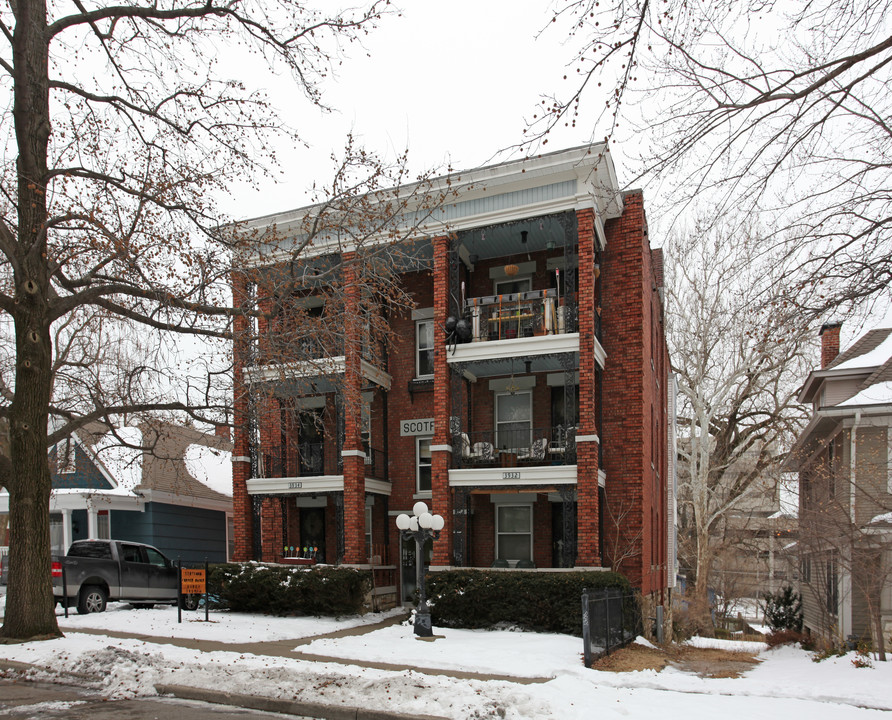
523,394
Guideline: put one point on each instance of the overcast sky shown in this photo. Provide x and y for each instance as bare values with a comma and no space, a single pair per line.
453,82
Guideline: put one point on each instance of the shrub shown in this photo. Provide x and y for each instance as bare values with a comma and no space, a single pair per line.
783,610
785,637
278,590
545,602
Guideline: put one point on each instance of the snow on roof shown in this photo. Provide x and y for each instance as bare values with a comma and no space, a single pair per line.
123,463
884,518
210,466
877,394
869,359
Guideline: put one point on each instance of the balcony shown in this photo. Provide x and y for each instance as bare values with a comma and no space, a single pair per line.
518,315
524,447
310,461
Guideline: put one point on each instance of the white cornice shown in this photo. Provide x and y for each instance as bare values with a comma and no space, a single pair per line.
528,475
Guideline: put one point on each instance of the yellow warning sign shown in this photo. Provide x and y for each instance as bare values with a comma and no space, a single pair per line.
192,581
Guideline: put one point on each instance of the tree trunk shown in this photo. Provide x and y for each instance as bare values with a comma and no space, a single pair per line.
29,603
700,607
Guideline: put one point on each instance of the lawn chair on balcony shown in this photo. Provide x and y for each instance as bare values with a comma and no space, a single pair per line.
537,451
478,452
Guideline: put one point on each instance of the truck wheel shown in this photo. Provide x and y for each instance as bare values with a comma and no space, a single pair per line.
190,602
92,599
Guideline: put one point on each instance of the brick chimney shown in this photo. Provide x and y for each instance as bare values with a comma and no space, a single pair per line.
829,342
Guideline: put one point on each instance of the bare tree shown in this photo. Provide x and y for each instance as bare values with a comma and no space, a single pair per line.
738,357
780,109
124,134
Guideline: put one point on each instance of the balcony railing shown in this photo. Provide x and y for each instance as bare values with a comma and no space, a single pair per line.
515,447
515,315
308,461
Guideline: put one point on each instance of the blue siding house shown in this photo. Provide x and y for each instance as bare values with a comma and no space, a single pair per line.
165,485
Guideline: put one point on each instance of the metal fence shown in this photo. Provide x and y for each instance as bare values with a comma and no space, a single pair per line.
610,620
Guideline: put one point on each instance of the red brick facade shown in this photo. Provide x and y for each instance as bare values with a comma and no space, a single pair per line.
613,488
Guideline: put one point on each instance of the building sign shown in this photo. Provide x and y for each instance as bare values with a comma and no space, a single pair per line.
295,485
412,428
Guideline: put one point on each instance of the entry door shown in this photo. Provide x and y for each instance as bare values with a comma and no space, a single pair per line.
312,531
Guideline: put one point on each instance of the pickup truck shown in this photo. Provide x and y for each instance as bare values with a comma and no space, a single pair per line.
97,571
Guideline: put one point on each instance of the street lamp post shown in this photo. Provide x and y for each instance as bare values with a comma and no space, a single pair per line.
420,526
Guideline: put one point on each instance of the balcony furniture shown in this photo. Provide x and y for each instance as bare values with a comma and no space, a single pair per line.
499,563
525,565
537,451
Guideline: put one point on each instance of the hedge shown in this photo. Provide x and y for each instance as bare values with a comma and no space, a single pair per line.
544,602
280,590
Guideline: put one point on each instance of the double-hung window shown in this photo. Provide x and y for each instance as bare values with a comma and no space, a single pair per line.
424,349
514,420
514,532
423,456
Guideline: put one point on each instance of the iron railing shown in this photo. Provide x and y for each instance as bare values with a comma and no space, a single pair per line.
610,620
514,315
515,447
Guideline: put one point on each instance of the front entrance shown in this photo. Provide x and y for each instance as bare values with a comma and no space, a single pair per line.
312,532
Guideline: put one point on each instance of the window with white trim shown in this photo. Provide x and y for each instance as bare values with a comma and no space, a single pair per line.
424,348
365,432
514,420
514,532
103,525
423,464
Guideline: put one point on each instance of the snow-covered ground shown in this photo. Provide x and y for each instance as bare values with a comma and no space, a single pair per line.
787,683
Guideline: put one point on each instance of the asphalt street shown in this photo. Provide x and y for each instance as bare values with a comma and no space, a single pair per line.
25,700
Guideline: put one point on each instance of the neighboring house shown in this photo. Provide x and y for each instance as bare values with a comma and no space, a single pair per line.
755,540
176,496
845,499
538,430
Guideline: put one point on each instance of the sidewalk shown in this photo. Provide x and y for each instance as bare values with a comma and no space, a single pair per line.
288,648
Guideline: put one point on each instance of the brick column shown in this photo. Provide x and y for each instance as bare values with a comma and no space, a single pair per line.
588,531
441,457
353,456
243,520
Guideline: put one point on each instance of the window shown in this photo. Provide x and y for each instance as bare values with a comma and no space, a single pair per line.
514,416
368,531
230,537
424,348
832,589
514,285
155,558
365,432
423,457
65,457
514,532
103,530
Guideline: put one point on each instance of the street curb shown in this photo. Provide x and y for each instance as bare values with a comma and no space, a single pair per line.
16,666
287,707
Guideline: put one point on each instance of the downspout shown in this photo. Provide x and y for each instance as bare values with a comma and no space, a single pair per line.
847,599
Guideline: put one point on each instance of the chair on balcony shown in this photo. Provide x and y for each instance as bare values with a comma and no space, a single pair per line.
537,451
478,452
